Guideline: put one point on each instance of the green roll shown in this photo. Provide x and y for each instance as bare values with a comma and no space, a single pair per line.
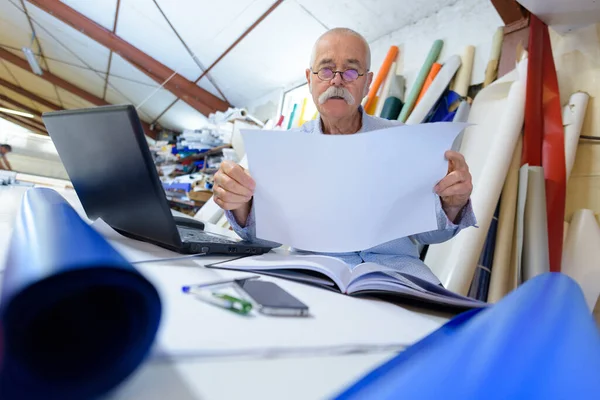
391,108
411,99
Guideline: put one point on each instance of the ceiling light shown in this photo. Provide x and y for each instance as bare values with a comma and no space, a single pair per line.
15,112
33,63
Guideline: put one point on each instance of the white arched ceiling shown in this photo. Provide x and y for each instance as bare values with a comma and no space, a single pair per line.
272,56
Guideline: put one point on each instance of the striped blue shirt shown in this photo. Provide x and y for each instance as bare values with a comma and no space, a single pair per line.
400,254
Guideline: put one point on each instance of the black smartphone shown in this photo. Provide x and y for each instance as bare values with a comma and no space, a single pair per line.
272,299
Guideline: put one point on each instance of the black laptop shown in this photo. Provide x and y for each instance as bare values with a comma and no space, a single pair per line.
109,163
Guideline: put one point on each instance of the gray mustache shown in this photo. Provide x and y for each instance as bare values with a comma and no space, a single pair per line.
336,91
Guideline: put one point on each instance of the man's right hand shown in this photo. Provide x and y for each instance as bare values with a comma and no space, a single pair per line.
233,190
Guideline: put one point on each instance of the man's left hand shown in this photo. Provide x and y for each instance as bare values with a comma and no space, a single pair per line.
456,187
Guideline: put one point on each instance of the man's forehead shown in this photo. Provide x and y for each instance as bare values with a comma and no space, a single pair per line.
340,49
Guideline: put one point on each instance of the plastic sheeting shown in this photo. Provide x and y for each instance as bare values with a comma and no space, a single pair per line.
76,318
539,342
498,112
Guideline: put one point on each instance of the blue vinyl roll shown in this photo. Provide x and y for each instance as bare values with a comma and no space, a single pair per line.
539,342
75,317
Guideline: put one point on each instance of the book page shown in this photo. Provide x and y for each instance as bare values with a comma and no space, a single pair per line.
344,193
371,277
331,267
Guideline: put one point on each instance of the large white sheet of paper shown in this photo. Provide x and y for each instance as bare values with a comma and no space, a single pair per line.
340,193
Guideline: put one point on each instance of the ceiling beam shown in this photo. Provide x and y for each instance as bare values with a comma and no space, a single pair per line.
39,44
22,106
29,95
195,96
110,56
509,10
50,77
27,121
242,36
22,124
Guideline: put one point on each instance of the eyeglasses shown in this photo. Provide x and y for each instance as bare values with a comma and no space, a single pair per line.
327,74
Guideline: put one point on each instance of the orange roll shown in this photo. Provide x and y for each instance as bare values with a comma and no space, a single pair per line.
381,75
435,68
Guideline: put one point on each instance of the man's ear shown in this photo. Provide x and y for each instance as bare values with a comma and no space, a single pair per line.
368,83
308,76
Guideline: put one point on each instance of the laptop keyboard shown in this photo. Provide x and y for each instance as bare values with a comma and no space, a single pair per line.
195,235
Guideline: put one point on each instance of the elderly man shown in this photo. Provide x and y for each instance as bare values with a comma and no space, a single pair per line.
338,79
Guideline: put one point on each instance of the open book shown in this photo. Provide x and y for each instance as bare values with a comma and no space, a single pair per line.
363,279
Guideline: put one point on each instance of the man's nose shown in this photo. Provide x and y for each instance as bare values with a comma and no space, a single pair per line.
337,79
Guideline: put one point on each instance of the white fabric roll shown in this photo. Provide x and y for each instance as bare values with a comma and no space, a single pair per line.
435,91
573,116
488,146
502,268
581,256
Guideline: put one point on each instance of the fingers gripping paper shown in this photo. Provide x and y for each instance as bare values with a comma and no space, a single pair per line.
488,146
338,193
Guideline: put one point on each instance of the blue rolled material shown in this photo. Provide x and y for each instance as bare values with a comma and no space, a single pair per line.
483,274
441,112
75,317
539,342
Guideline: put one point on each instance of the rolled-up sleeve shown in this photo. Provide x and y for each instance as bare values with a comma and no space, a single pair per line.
248,232
446,228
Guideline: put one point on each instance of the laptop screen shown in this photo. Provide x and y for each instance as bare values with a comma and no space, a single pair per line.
109,163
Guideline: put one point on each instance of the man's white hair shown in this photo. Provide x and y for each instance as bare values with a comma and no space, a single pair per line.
342,31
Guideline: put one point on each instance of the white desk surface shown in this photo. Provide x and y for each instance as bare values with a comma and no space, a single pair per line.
313,375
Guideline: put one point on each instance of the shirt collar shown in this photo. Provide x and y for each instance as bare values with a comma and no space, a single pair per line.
364,121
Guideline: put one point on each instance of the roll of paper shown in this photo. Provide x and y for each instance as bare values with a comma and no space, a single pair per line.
393,104
463,76
488,146
541,329
436,90
391,108
462,115
581,256
432,57
502,268
386,89
573,116
435,69
380,78
76,317
481,281
535,259
491,72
